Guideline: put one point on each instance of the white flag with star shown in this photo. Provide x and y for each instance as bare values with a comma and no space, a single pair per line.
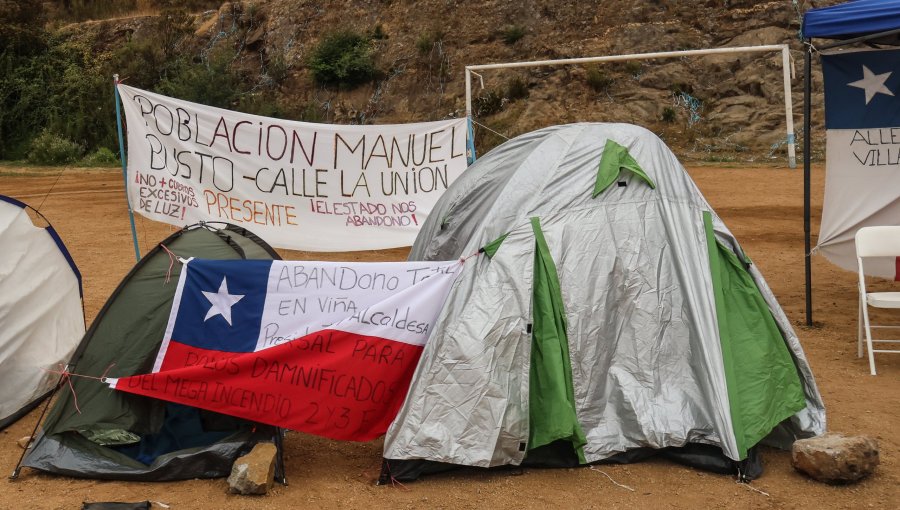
862,121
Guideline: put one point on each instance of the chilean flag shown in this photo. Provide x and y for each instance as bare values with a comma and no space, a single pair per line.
862,167
327,348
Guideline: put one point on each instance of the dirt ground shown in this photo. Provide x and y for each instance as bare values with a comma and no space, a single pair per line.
762,206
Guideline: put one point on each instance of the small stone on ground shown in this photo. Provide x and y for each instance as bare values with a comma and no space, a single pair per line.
253,473
835,458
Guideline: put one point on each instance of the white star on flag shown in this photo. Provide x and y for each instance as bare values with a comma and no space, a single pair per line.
221,302
872,83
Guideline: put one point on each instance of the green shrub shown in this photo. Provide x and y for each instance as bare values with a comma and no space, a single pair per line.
487,103
668,115
212,83
278,68
343,59
633,68
262,104
597,80
427,40
512,34
378,33
141,62
310,111
58,88
516,88
102,157
51,149
424,44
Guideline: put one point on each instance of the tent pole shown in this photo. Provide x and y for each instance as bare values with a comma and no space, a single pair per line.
137,250
18,469
807,86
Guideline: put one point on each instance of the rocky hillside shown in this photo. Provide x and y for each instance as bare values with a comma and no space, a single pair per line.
261,57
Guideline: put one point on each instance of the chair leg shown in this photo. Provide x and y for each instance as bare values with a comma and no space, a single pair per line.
859,331
865,311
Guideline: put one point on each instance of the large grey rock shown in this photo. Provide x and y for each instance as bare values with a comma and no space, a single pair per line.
835,458
253,473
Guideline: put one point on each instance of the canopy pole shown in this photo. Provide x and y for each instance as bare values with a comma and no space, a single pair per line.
137,250
788,105
807,88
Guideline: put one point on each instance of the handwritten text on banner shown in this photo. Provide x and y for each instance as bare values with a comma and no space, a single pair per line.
299,185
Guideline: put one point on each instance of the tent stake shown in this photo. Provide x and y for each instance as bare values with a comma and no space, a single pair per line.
280,475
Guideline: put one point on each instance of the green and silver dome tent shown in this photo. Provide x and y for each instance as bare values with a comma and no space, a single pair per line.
612,316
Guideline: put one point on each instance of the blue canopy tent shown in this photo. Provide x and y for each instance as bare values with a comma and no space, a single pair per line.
864,19
872,22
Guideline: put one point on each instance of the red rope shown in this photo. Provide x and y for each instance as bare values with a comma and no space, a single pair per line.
462,260
394,482
172,258
66,377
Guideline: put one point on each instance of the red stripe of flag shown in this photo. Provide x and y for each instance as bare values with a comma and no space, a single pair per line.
329,383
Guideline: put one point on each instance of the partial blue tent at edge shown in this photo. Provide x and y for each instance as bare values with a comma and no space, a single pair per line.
852,19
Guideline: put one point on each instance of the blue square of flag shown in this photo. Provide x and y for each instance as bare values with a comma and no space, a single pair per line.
862,89
222,304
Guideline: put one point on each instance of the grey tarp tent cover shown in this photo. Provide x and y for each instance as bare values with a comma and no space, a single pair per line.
611,315
93,431
41,316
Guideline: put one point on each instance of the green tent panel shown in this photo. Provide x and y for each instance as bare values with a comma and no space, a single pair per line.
764,387
614,159
551,398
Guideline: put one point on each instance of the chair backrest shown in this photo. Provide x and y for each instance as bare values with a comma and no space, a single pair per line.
880,241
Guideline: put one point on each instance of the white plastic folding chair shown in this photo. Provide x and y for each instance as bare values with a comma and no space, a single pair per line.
882,241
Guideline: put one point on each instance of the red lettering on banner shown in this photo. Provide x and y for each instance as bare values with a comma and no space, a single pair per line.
330,383
249,211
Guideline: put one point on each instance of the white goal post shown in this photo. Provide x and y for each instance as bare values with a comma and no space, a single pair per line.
785,64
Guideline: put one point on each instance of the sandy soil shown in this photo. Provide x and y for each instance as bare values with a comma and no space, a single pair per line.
762,206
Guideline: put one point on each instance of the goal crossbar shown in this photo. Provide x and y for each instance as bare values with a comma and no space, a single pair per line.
785,65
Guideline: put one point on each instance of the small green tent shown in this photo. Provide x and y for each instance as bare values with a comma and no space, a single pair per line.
93,431
613,316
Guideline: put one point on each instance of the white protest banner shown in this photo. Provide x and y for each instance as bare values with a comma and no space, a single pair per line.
298,185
